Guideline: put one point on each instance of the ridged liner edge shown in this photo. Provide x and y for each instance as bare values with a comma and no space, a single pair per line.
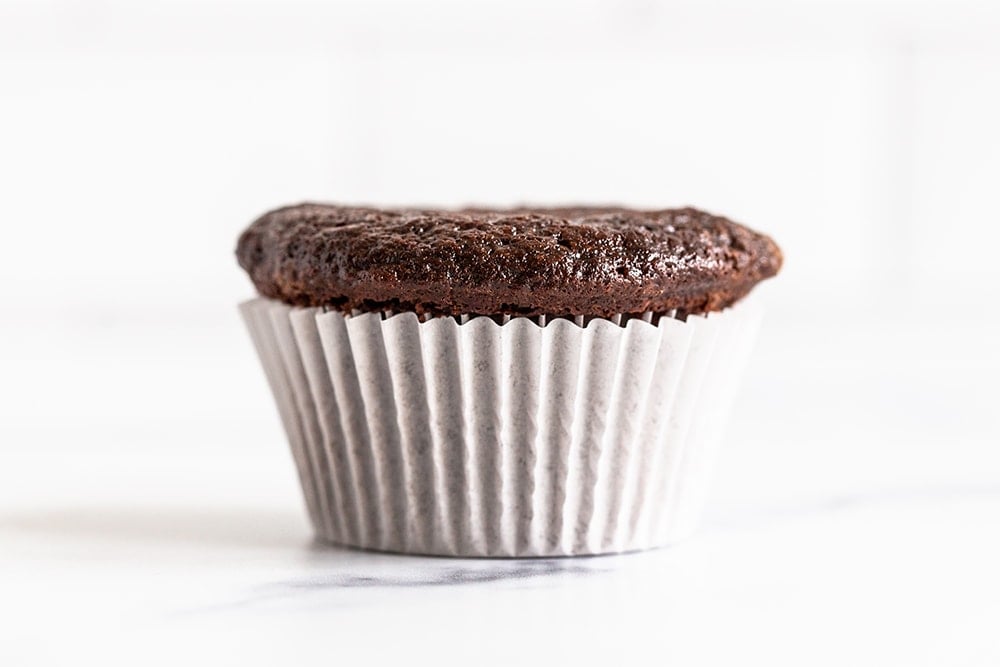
468,437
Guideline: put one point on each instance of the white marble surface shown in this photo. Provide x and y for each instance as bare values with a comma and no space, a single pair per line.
149,515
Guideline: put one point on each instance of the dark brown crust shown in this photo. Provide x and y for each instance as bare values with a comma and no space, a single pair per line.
556,261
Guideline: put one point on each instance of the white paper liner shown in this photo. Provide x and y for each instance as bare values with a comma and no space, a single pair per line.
520,439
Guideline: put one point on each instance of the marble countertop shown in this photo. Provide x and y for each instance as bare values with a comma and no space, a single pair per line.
149,514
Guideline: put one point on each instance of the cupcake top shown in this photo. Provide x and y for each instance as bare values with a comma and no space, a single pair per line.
590,261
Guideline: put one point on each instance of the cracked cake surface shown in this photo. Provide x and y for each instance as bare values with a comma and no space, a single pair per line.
567,261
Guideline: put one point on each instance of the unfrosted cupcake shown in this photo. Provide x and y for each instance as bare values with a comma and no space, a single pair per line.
524,382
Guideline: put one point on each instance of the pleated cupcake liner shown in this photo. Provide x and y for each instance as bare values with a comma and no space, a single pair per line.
521,437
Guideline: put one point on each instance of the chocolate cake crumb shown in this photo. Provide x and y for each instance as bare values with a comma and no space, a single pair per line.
590,261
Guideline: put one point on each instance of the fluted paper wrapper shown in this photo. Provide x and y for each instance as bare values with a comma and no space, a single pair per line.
527,438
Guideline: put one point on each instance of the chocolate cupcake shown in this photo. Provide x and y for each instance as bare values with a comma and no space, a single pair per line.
522,382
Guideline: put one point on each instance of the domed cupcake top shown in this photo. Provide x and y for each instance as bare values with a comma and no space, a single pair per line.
590,261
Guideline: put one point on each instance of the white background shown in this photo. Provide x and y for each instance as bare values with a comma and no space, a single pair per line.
147,503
